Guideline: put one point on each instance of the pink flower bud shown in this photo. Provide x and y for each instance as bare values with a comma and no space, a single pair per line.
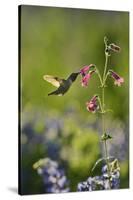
92,105
114,47
118,80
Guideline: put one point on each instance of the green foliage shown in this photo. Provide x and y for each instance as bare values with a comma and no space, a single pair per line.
80,150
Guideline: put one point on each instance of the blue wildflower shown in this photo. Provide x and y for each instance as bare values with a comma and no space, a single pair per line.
103,182
53,176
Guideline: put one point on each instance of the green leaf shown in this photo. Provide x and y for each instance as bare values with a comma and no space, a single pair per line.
100,160
105,137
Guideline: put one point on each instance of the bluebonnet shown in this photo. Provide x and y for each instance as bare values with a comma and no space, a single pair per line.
103,182
88,185
53,176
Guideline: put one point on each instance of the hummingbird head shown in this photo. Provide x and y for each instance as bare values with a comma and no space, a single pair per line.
73,76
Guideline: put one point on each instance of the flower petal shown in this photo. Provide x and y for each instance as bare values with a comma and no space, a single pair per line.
85,69
85,79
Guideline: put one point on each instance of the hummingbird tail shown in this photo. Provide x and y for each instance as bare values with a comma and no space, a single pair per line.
53,93
50,94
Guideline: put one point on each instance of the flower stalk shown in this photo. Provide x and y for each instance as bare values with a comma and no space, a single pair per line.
97,103
104,135
101,101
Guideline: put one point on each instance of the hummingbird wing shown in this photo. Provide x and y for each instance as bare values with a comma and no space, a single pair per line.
62,84
53,80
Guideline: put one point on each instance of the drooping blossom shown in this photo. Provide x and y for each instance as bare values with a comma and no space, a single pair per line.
85,69
114,47
118,80
92,105
85,79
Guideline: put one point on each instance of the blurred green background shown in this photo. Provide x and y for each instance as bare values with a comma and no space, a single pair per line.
58,41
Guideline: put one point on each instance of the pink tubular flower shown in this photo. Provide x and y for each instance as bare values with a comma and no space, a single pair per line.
85,69
85,79
92,105
118,80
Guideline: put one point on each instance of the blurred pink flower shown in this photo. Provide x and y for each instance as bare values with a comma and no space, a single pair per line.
85,79
118,80
92,105
85,69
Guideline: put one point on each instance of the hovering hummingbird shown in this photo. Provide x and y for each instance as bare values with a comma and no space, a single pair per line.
62,84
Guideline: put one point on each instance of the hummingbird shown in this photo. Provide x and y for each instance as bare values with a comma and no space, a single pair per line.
63,85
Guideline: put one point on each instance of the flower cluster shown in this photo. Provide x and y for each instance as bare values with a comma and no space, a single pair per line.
53,176
86,73
103,182
86,76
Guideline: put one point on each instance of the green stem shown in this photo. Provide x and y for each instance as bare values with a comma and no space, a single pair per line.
103,106
106,77
105,68
106,154
99,75
107,162
100,103
103,116
105,142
